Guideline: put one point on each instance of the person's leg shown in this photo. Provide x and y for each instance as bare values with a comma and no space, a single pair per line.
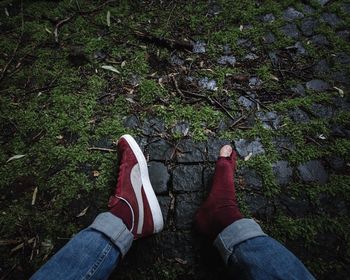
241,242
92,254
244,246
134,213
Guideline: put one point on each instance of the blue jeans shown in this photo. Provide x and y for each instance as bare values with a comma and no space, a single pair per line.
94,252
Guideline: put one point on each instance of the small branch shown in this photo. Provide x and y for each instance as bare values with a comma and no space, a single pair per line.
101,149
55,32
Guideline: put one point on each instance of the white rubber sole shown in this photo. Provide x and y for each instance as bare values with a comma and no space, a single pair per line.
146,183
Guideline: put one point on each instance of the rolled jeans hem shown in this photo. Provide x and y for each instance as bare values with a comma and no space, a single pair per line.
114,228
239,231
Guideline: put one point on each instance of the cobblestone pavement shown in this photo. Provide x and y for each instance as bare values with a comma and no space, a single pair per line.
272,79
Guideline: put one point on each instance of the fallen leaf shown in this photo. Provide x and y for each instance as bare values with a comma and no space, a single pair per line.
34,195
82,213
59,137
340,91
322,137
110,68
181,261
130,100
15,157
274,78
95,173
108,18
248,156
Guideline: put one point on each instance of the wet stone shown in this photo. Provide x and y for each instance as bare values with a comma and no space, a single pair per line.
164,203
134,80
321,68
298,207
308,26
323,2
267,18
300,50
246,102
291,14
199,47
227,60
254,82
313,171
337,163
283,172
251,56
319,40
317,85
270,120
132,122
175,60
340,131
142,141
299,116
322,111
333,206
269,38
258,205
245,147
187,178
251,179
160,150
208,84
186,206
153,126
308,10
181,128
344,34
284,145
346,8
214,9
341,77
290,30
298,89
191,151
214,146
159,176
244,43
331,19
342,58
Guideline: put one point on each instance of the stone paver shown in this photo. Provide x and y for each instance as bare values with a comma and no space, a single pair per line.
190,151
186,207
245,147
187,178
159,177
283,172
313,171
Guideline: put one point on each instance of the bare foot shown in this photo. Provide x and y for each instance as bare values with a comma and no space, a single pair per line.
226,151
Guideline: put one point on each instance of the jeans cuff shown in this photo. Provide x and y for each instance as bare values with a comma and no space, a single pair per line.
239,231
115,230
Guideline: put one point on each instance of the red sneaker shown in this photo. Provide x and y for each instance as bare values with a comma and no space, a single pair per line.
134,200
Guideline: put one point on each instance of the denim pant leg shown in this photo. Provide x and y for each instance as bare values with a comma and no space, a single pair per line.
250,252
92,254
